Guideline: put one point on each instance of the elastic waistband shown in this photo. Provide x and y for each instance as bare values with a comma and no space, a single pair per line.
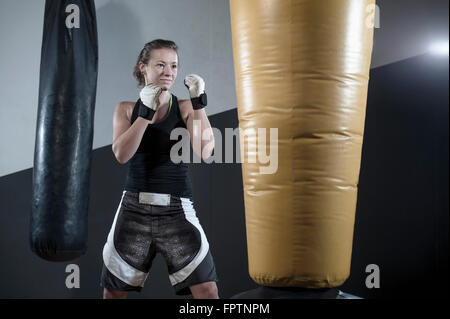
157,198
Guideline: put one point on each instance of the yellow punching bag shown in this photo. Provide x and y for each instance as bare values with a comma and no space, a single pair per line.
302,67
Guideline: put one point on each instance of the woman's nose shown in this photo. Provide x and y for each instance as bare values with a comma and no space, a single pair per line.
168,70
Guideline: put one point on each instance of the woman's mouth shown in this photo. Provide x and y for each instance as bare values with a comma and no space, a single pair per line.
166,81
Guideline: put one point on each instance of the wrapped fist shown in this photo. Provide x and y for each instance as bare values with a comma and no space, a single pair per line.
150,96
196,86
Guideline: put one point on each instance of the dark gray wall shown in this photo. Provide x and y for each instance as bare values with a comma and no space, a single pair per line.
402,211
401,219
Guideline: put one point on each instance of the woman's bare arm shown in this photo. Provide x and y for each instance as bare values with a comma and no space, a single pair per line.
126,137
199,128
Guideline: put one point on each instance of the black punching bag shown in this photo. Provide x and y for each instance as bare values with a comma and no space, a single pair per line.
64,133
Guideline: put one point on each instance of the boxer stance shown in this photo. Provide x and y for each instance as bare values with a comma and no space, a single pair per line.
156,213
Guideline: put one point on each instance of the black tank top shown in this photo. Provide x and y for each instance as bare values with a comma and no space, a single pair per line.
151,169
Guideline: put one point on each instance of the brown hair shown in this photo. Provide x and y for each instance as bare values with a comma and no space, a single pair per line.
145,55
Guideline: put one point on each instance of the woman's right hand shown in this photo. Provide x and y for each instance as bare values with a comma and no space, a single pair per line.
154,103
150,95
161,112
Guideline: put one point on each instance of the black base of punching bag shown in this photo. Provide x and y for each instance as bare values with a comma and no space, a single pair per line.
293,293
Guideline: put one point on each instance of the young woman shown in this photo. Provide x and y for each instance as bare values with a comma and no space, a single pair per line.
156,213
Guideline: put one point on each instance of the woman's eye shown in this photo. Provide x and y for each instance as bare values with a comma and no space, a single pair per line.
174,66
161,65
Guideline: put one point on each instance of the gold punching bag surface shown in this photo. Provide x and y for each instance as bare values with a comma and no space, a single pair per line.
302,66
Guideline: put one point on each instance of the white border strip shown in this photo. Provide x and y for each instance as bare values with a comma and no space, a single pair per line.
115,264
182,274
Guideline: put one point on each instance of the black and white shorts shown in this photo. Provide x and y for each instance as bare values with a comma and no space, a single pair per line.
149,223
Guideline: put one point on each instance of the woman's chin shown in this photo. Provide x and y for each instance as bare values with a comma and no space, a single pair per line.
165,86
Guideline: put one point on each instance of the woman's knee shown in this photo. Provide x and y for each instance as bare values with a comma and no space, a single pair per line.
114,294
207,290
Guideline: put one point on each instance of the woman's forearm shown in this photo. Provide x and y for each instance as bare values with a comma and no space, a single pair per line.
206,134
126,145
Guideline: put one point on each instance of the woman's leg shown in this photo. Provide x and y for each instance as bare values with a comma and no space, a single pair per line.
114,294
206,290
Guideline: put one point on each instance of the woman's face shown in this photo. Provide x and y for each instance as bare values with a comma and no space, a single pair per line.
161,69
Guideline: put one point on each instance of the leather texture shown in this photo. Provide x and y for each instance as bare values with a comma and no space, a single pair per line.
64,133
302,66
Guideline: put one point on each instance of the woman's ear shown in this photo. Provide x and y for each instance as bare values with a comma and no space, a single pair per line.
142,67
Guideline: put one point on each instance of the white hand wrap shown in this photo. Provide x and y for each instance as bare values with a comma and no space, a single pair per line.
150,96
195,84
